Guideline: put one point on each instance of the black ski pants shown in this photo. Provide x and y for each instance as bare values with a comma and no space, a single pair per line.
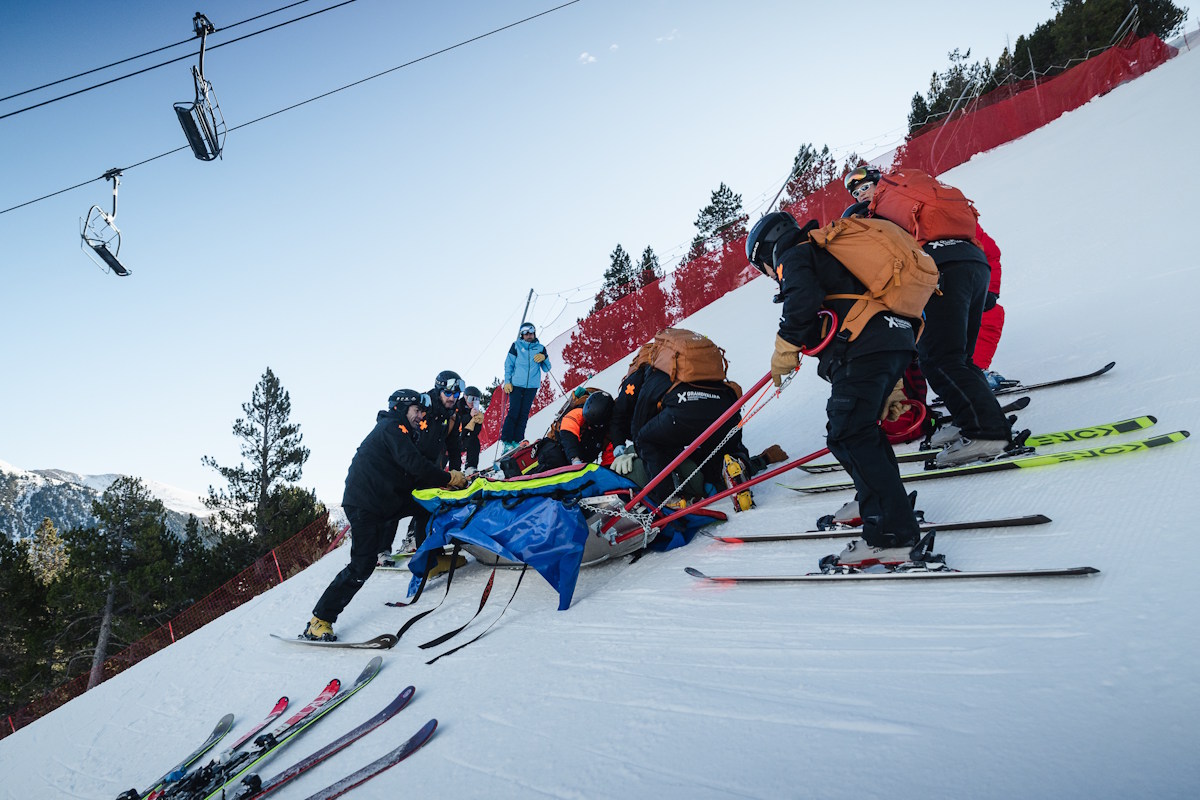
370,536
470,445
861,386
951,327
520,400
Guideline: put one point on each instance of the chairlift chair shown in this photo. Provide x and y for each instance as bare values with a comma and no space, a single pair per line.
99,236
201,120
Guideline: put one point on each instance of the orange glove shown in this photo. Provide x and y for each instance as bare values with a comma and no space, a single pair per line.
897,403
457,480
507,388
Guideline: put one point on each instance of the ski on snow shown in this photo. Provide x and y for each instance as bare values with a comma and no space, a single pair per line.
835,533
1036,440
210,781
1028,387
385,641
883,575
1019,462
254,787
359,777
274,714
218,733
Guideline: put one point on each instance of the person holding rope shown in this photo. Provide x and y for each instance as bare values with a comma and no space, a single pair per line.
862,369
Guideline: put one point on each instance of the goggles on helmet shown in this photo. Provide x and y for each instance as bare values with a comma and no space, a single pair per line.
855,176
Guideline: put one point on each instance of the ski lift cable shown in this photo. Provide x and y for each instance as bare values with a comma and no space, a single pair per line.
147,53
172,61
297,105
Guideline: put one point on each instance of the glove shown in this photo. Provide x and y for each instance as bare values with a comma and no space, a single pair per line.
507,387
457,480
897,403
539,358
990,302
623,464
785,360
477,418
576,461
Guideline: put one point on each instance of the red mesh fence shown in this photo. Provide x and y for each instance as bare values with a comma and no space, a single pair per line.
289,558
609,335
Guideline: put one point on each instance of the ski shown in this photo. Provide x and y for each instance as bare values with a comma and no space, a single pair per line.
1039,440
385,641
1028,387
835,533
377,766
222,727
210,782
253,787
274,714
1019,462
914,575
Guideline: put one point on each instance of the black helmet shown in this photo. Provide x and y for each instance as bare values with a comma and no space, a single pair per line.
449,382
472,391
597,409
401,399
860,175
760,244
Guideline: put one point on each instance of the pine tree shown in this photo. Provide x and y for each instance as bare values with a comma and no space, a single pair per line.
47,552
273,457
618,279
27,628
720,222
118,584
811,170
648,269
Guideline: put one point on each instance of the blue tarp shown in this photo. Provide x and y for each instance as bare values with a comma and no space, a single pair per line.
535,520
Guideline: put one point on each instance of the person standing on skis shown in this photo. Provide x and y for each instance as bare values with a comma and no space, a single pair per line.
862,371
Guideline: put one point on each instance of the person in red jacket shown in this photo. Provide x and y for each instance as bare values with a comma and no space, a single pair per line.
992,325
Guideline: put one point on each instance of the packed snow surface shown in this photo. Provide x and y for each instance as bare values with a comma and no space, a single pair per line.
654,685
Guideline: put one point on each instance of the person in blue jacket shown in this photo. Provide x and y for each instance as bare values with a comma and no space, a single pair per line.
523,368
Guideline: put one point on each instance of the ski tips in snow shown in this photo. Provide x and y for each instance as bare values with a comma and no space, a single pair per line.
939,572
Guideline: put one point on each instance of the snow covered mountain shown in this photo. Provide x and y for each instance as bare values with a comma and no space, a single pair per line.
29,496
653,685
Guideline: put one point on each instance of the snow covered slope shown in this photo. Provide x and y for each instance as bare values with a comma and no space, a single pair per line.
652,685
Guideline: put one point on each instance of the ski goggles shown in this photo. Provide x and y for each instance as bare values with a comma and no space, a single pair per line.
858,191
855,176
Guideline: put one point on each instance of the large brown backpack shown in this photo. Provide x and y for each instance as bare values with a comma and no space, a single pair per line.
686,357
925,207
899,276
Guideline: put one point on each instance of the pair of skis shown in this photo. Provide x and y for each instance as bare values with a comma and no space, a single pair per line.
1029,460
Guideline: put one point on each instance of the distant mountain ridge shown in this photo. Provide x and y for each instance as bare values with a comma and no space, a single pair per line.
29,496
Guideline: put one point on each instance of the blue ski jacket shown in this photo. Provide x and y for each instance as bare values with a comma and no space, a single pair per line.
519,367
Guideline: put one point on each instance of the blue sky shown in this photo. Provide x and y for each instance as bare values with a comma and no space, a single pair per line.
366,241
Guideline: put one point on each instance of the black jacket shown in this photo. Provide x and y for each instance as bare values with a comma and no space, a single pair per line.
669,415
947,251
809,274
388,466
444,421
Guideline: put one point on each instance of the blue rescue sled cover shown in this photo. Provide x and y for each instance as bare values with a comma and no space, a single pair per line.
535,520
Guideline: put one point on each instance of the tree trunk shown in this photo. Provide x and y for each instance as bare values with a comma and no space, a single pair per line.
98,658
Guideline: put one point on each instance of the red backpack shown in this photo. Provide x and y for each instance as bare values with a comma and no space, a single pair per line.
925,207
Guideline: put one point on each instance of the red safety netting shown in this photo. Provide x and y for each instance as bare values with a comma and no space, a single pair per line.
286,560
613,333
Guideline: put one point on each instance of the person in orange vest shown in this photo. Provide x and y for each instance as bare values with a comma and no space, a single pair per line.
581,436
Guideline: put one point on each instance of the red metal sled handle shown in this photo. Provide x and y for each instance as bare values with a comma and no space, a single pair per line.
687,451
700,504
833,329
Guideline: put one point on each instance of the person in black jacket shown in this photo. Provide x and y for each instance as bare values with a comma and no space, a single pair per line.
468,417
662,418
387,467
579,437
447,389
862,372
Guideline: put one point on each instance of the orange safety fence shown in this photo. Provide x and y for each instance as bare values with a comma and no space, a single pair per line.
286,560
615,331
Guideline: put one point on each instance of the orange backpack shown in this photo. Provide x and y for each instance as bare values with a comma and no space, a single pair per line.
899,275
686,357
925,207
